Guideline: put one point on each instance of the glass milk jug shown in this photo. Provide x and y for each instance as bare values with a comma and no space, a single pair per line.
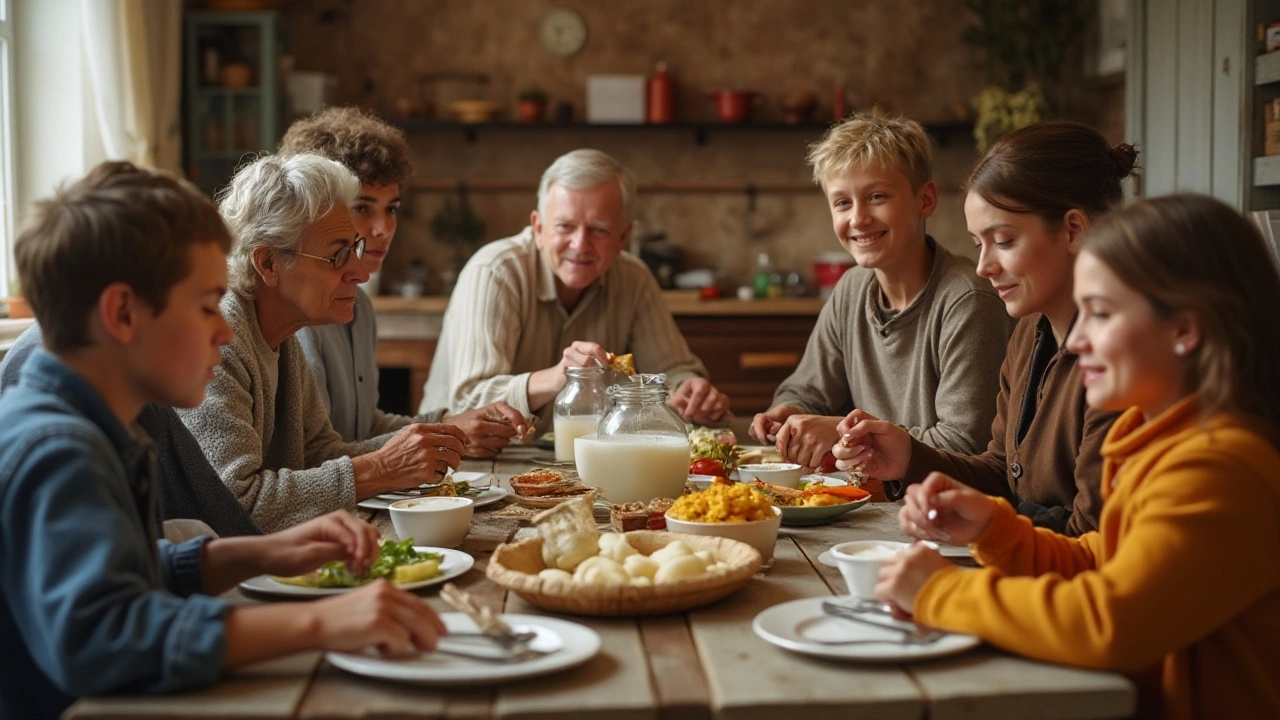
578,409
641,450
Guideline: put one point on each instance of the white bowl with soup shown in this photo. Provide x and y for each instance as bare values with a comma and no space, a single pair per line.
433,521
784,474
860,560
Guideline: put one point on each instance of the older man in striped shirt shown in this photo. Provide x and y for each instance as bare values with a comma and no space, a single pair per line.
557,295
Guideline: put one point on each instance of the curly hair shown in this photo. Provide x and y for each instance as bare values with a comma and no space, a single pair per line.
375,151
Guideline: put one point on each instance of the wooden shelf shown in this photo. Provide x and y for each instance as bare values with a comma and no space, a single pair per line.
942,132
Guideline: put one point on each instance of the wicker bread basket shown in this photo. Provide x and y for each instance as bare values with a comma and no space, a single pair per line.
515,566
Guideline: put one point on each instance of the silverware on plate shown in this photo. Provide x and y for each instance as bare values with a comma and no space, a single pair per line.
876,615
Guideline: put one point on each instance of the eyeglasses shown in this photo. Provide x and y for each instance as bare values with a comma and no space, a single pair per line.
340,258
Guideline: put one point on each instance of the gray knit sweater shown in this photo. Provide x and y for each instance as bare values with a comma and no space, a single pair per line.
933,368
264,429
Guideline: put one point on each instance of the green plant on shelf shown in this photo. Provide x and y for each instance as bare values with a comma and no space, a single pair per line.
532,94
457,224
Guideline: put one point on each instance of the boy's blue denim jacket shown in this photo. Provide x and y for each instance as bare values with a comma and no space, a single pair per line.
87,603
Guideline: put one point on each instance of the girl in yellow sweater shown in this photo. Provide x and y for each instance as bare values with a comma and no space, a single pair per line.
1180,586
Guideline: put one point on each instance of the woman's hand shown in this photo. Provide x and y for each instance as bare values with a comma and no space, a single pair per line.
302,548
942,508
902,575
418,454
877,448
488,429
804,439
379,615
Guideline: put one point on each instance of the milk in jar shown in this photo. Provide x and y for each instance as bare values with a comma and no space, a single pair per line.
570,427
633,468
578,407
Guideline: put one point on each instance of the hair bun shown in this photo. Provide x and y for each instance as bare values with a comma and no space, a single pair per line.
1125,156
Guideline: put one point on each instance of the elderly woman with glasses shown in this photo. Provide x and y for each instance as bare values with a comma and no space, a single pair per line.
263,426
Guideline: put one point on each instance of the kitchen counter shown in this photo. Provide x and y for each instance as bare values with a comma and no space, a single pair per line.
680,304
748,346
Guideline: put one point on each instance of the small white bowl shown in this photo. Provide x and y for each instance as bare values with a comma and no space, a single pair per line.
759,534
433,521
784,474
860,560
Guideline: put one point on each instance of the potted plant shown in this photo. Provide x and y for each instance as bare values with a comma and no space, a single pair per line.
457,224
533,104
18,307
1026,45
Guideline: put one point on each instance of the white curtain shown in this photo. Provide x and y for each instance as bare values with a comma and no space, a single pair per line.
133,66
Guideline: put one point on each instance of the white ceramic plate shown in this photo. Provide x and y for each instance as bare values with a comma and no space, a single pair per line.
454,564
493,494
794,625
577,644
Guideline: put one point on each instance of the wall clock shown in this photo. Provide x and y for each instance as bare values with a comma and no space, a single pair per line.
563,32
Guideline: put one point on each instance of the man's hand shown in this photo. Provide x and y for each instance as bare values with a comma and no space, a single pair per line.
697,400
489,428
545,384
765,426
805,439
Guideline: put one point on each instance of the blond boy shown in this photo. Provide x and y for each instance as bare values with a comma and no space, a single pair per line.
911,335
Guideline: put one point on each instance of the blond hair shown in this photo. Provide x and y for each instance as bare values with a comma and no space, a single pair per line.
874,139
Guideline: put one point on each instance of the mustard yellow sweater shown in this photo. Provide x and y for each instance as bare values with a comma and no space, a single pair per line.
1180,586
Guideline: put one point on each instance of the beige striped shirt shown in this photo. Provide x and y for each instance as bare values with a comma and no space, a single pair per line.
504,322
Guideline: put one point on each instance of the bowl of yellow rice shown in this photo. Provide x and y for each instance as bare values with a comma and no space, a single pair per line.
736,511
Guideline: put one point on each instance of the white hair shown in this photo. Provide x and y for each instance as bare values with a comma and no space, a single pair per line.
582,169
271,201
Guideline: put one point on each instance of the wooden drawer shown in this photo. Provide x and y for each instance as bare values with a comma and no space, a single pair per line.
747,357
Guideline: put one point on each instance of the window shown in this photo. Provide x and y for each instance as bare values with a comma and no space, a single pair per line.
6,145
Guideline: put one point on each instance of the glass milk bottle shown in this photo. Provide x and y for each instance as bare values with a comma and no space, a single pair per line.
578,408
641,450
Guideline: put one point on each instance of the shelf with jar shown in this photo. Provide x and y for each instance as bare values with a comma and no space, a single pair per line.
233,92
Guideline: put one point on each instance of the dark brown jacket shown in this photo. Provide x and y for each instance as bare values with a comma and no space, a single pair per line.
1044,455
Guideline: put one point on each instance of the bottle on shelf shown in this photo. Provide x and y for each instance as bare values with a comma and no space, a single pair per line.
662,97
763,278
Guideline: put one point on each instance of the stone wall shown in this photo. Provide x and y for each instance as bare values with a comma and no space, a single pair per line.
904,55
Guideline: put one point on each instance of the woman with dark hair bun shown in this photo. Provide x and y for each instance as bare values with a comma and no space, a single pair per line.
1180,585
1030,201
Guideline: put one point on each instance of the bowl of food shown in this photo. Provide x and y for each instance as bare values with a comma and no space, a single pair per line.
434,521
474,111
779,473
737,511
819,499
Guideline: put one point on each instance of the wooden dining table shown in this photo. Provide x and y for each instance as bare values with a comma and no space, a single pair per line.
703,663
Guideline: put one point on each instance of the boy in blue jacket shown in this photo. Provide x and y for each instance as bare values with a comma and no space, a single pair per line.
124,270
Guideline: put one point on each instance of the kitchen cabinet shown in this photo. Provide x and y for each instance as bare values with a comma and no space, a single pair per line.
232,91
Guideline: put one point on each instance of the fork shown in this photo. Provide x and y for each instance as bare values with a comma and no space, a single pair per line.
516,656
911,634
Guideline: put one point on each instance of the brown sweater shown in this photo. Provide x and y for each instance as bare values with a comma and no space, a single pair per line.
1045,452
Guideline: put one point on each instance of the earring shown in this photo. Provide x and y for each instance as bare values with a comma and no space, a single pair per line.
1179,349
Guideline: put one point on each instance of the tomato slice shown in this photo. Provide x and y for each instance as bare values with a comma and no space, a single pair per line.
706,466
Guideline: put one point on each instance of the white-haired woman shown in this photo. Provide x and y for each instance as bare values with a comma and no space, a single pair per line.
296,263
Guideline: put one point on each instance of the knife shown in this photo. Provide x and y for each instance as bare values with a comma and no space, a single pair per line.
877,616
